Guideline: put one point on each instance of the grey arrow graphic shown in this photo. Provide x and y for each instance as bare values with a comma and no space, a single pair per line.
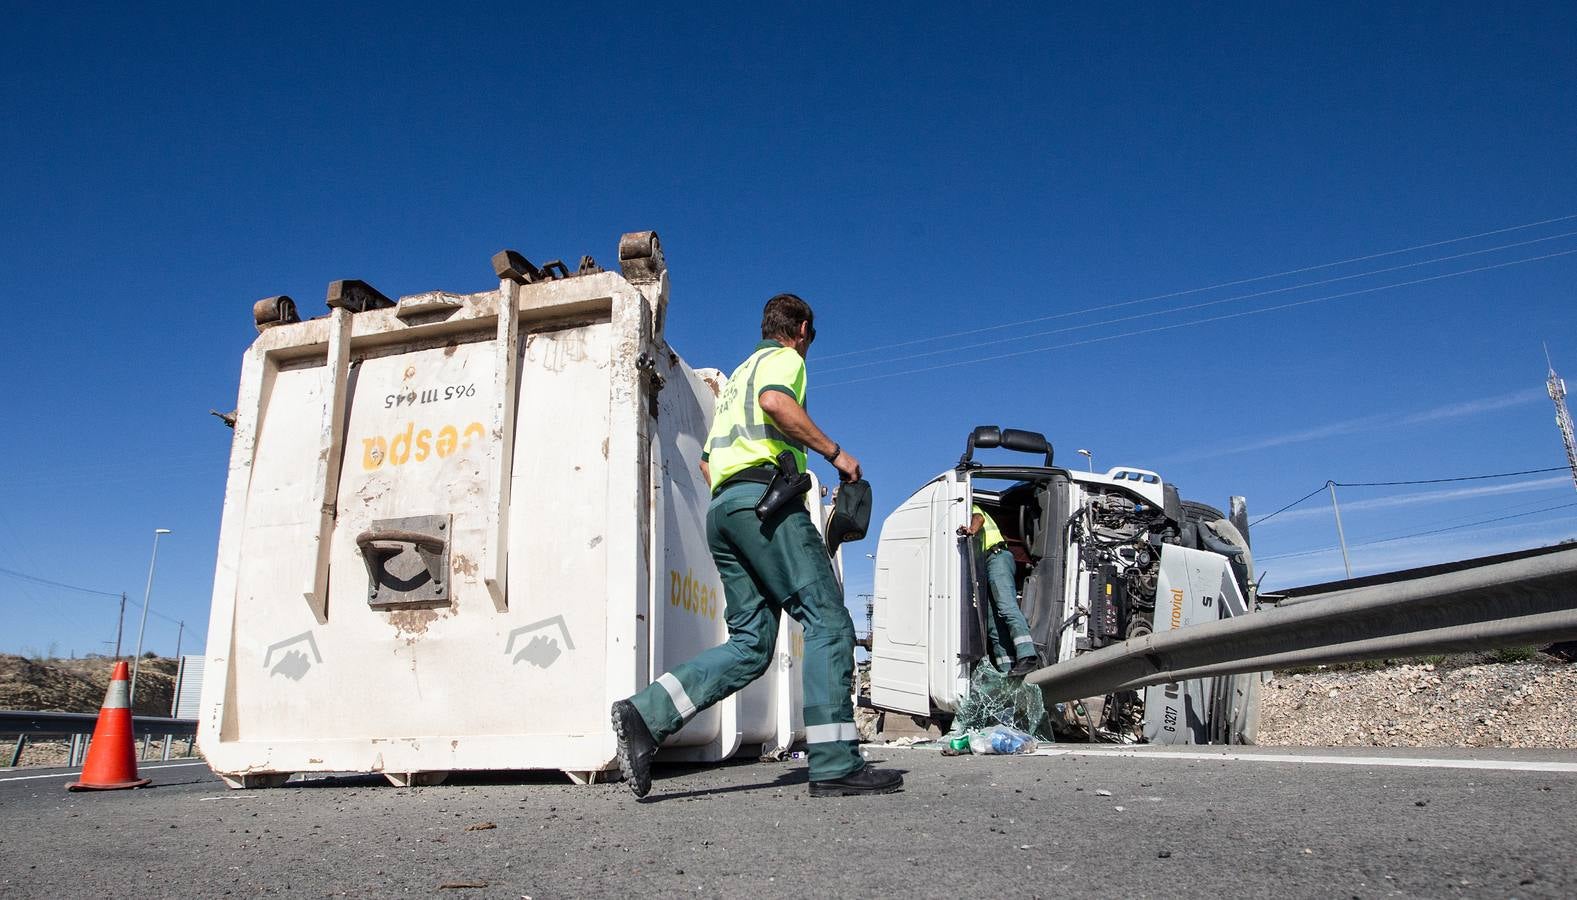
542,650
294,664
280,645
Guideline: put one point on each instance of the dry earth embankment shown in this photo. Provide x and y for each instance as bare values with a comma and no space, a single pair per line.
1520,704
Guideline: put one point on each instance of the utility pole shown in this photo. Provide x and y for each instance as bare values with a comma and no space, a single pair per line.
1563,417
146,593
120,623
1340,536
178,632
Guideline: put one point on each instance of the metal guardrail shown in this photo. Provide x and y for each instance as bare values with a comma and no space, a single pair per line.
1510,600
28,725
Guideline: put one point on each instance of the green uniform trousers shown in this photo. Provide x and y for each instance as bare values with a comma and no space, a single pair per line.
768,568
1010,638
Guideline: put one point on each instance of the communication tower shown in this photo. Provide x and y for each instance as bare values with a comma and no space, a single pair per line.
1563,417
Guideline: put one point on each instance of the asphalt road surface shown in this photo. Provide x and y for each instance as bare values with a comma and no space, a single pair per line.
1206,823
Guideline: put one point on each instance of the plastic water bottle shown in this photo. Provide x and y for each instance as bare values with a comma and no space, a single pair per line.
1005,742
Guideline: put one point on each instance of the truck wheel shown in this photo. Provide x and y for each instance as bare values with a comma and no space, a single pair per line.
1195,511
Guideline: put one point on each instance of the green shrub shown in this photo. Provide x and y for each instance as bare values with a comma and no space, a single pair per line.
1513,654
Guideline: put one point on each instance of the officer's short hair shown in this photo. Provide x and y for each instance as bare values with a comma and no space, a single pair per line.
783,315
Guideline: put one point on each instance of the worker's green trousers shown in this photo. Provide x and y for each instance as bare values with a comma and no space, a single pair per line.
768,568
1010,638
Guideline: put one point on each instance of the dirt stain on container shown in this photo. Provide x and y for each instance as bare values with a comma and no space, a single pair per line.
412,623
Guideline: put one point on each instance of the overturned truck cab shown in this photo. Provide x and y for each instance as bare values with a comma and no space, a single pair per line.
1098,558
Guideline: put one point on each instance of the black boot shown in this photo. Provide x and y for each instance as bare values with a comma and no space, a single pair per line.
636,747
1024,667
864,780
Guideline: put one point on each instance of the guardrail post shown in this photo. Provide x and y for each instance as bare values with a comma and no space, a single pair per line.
74,729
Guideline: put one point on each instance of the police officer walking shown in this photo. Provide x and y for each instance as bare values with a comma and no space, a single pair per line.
1008,620
770,564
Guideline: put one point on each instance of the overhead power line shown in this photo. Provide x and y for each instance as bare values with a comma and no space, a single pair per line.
1318,490
1447,480
1204,321
1211,287
34,579
1193,306
1417,534
1403,483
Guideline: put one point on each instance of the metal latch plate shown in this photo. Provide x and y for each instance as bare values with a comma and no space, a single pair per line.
407,562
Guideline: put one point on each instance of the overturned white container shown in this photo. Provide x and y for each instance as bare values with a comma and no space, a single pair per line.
452,538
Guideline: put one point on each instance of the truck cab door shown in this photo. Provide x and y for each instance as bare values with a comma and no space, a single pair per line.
956,638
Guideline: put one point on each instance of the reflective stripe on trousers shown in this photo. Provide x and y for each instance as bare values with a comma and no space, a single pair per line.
769,568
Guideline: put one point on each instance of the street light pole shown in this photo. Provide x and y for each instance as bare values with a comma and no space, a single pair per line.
1090,456
143,625
1340,536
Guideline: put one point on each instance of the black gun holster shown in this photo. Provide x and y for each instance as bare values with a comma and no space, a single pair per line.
789,484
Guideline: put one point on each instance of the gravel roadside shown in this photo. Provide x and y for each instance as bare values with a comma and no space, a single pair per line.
1523,704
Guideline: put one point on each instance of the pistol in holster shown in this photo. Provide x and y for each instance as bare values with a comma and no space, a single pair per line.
788,485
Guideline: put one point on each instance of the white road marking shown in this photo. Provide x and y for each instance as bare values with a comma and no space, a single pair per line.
1513,765
195,762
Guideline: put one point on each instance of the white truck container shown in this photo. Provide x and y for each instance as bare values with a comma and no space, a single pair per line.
458,527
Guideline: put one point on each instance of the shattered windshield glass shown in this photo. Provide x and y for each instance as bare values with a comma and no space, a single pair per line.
996,699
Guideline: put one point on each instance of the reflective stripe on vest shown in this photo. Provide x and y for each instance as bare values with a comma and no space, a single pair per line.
729,451
990,535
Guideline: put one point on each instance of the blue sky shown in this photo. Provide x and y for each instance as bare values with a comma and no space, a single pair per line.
919,173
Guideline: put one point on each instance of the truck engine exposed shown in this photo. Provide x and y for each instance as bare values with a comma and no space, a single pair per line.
1099,557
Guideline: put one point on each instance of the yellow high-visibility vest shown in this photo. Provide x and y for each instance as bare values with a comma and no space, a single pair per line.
743,435
989,535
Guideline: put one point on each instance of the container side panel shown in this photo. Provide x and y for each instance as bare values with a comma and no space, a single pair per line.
553,679
689,596
271,639
414,447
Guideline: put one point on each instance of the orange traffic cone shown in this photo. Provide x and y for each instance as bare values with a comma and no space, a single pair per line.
112,756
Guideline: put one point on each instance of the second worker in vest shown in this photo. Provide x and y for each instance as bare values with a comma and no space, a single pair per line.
769,566
1008,624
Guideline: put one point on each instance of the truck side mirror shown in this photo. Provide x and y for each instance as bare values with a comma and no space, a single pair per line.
1027,442
984,437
